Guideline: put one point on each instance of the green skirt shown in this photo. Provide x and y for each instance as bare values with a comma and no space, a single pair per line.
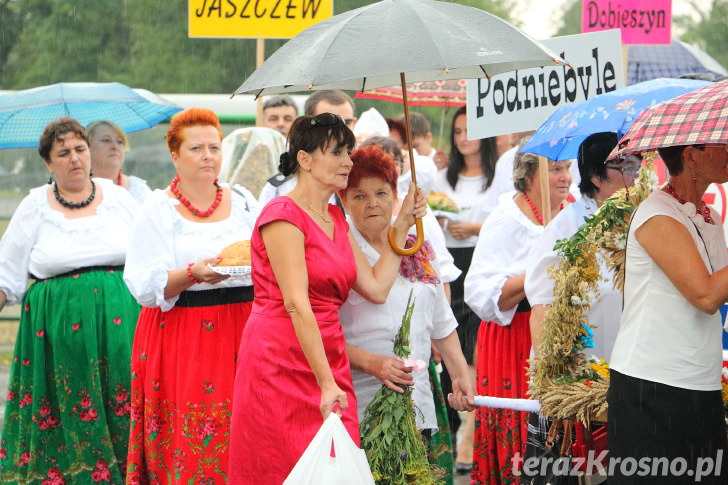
68,404
441,452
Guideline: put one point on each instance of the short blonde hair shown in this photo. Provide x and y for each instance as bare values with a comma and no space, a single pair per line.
91,130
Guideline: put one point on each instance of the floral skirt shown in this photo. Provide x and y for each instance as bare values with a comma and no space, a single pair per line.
501,433
68,407
183,370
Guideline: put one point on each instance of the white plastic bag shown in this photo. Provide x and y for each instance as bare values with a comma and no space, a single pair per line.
317,467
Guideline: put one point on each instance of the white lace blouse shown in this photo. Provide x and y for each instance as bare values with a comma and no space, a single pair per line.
503,246
163,240
139,189
41,241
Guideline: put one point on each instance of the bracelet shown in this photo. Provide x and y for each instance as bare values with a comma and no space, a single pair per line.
190,275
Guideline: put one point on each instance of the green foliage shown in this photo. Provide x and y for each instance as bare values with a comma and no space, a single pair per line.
709,32
571,21
142,43
394,448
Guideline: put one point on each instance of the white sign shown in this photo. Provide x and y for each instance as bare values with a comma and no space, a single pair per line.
521,100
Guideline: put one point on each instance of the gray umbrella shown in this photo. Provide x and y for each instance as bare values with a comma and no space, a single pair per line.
376,45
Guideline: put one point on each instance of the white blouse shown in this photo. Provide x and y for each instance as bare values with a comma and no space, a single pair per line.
139,189
473,203
41,241
503,245
603,314
662,337
163,240
374,327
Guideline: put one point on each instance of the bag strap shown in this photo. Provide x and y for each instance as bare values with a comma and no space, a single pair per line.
566,444
552,434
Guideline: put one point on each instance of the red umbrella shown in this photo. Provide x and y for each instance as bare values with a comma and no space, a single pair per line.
451,92
698,117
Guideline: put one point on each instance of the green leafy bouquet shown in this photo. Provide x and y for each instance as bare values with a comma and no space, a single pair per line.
394,447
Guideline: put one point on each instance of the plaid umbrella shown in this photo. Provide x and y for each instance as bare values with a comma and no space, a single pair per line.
695,118
645,62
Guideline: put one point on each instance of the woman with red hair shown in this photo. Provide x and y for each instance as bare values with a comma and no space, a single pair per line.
370,329
187,338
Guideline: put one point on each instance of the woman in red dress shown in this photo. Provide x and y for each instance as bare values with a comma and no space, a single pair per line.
293,371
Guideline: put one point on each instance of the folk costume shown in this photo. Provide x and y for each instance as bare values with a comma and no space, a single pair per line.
504,340
68,403
186,347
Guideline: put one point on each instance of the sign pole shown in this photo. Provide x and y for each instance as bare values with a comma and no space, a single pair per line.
259,59
543,172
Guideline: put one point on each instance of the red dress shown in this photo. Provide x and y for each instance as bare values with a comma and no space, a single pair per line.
503,352
276,402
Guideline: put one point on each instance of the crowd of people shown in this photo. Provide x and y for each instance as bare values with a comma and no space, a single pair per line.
138,362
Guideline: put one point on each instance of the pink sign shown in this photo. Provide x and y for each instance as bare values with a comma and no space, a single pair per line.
641,21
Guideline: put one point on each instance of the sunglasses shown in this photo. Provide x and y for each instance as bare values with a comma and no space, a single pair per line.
326,119
629,171
713,145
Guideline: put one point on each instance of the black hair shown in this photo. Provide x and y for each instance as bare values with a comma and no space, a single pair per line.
54,130
672,156
311,132
488,157
593,153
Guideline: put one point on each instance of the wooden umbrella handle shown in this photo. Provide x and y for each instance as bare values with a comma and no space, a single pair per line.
418,223
408,251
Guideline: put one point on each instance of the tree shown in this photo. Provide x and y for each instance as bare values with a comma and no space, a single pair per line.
141,43
61,40
709,31
571,21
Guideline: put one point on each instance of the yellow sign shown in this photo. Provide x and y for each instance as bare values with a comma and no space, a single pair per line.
273,19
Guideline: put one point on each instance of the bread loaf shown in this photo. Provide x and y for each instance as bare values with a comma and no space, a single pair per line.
235,254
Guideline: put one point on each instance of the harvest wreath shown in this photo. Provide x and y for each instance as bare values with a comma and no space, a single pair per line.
567,384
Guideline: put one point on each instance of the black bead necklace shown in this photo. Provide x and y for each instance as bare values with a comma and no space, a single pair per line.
74,205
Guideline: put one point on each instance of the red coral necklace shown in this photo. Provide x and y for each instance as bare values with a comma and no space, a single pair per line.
194,210
536,213
702,211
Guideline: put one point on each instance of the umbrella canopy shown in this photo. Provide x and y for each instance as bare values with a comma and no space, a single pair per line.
369,47
691,119
560,136
427,93
645,62
24,114
378,44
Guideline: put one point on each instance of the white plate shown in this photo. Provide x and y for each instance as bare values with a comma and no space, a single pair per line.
240,273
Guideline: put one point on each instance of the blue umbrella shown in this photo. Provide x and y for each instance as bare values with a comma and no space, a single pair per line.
559,137
24,114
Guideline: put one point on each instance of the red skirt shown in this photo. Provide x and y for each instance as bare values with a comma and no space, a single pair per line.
183,369
503,353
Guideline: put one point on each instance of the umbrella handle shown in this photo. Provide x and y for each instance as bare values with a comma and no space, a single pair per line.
408,251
